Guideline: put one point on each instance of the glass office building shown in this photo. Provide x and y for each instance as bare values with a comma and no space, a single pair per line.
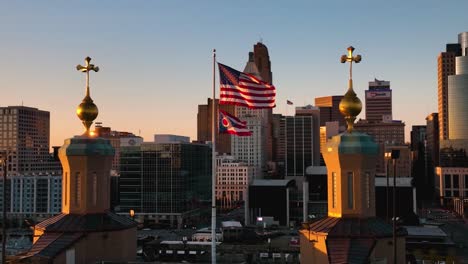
165,182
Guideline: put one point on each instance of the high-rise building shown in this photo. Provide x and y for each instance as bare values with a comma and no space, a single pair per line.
327,131
300,140
419,162
25,137
204,124
254,149
298,148
232,181
432,149
432,141
262,61
165,183
117,139
445,68
385,133
457,95
379,101
330,110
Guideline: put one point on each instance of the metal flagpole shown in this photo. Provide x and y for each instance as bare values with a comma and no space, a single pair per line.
213,172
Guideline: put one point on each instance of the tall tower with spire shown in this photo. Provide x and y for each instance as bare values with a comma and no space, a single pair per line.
351,233
253,149
86,231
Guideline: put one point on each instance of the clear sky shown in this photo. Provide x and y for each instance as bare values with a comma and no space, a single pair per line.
155,56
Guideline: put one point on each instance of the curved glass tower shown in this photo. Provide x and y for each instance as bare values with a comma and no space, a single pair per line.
458,96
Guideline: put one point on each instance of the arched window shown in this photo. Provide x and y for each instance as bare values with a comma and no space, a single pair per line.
77,197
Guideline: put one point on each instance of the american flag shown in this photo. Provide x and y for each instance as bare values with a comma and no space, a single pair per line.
238,88
229,124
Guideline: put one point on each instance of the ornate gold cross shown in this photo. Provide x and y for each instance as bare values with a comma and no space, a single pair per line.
350,106
87,111
350,58
87,68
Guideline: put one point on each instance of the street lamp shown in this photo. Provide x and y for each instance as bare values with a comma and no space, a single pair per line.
388,157
132,214
395,154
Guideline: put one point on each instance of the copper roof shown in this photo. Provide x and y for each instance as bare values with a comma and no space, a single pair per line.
86,223
50,245
349,250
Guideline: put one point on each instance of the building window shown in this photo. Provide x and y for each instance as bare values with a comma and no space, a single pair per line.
455,181
77,189
66,188
94,188
334,190
447,181
350,190
368,187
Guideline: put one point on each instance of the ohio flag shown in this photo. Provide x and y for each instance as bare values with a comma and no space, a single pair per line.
229,124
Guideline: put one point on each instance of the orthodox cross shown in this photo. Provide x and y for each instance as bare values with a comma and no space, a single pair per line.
350,58
87,68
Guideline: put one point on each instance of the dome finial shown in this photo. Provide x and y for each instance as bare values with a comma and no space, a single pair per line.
350,105
87,111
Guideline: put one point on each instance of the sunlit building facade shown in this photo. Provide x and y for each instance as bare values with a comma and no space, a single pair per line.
24,136
232,181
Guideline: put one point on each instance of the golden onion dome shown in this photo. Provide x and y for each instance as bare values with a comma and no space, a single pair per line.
350,105
87,112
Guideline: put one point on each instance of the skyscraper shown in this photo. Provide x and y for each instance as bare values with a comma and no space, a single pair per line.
300,139
432,147
329,109
457,94
204,123
379,101
263,63
117,139
445,67
386,134
253,149
25,136
164,182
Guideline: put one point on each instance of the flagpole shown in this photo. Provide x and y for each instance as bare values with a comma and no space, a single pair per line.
213,172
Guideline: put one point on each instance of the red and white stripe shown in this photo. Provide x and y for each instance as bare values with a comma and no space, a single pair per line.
250,92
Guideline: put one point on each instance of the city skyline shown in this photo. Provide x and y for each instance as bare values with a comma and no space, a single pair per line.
151,53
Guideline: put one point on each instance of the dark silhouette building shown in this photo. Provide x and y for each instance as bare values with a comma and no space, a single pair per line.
204,124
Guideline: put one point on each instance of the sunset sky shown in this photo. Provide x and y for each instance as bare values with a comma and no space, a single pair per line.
156,61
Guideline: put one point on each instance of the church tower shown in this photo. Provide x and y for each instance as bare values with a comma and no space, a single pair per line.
86,231
351,233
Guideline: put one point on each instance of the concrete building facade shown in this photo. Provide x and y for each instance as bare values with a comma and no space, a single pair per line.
232,181
385,133
379,101
25,136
